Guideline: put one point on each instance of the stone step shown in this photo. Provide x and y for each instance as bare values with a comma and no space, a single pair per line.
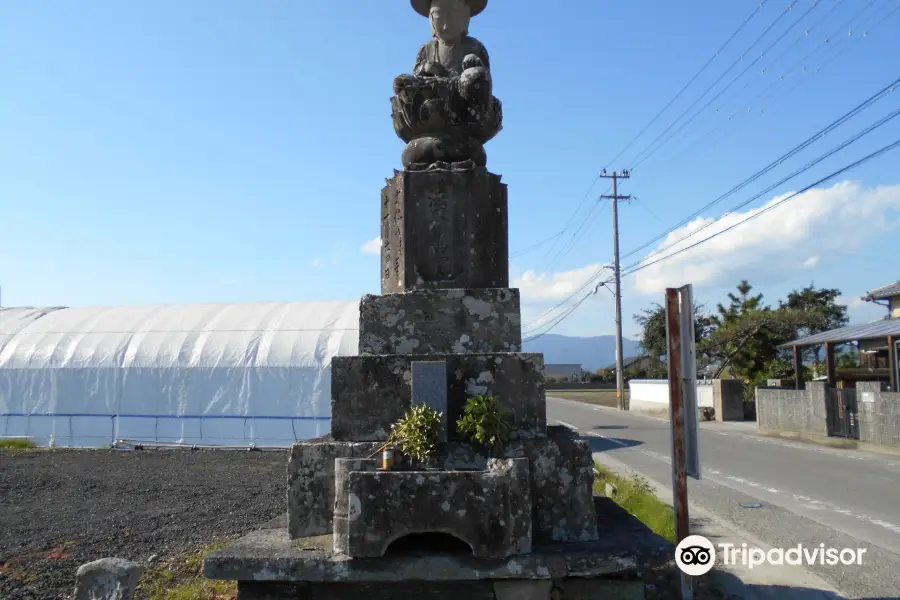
460,321
370,393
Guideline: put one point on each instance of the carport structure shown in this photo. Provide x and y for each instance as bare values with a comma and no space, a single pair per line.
877,337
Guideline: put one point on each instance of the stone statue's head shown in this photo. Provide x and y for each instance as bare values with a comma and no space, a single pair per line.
449,19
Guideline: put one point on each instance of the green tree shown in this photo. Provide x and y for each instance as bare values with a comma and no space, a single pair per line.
847,359
747,334
652,322
816,310
605,375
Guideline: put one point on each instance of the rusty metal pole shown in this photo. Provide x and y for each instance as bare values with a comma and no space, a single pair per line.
676,419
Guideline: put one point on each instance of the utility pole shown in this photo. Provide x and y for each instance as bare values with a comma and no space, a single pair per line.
615,197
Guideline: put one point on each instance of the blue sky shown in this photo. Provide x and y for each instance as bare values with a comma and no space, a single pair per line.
169,152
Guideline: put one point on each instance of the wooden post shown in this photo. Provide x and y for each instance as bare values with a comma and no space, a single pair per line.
829,364
676,419
892,361
798,368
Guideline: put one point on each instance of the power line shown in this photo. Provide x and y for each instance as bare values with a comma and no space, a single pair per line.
722,76
579,233
688,84
803,169
832,175
571,220
766,94
770,100
588,282
803,145
537,245
557,320
640,160
573,217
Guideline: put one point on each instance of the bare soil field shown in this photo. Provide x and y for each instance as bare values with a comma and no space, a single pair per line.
62,508
598,397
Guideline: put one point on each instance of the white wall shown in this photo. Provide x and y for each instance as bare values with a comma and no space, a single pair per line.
656,392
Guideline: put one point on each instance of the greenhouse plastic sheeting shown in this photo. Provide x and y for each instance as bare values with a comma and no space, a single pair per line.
206,374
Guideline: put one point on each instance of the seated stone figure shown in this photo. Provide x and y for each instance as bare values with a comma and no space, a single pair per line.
445,110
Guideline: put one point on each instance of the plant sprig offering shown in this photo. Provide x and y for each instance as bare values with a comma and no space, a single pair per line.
485,421
417,433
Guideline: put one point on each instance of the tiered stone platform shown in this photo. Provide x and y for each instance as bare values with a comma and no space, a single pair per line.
521,524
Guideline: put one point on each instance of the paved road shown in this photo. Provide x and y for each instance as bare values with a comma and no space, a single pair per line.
809,494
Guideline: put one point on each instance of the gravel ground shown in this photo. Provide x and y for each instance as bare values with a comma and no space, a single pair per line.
62,508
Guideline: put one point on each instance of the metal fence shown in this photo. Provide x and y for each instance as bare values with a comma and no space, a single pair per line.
89,429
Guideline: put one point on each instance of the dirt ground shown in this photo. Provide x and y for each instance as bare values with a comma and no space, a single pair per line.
62,508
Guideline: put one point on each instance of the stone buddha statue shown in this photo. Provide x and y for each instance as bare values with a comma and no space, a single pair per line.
445,109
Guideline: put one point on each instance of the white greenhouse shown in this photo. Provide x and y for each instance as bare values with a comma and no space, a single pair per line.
204,374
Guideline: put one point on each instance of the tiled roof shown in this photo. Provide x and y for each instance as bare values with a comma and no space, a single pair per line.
884,292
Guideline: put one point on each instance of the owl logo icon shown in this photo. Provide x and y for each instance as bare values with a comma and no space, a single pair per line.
695,555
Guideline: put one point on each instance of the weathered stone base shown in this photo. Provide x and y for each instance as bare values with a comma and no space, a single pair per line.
509,589
271,565
370,393
488,510
441,322
560,470
310,478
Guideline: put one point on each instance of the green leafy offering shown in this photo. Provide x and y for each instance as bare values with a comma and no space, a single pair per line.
485,421
417,433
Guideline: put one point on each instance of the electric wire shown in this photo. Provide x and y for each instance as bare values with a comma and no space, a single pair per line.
641,159
803,145
720,78
828,177
688,84
592,279
574,216
721,124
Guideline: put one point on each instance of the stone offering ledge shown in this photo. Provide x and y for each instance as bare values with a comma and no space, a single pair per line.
625,546
560,472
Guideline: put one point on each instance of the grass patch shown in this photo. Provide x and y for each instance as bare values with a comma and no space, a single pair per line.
635,495
181,578
16,444
598,397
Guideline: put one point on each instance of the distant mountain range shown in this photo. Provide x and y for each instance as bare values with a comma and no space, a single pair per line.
591,353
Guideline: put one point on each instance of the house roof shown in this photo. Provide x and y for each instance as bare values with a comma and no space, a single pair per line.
866,331
883,292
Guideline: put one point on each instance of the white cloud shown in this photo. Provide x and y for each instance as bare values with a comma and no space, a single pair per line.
851,301
546,287
316,262
810,263
372,246
861,311
793,236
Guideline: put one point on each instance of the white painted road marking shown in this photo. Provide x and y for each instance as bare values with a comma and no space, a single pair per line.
721,479
746,435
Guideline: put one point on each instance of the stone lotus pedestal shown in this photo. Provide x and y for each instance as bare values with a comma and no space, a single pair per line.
445,328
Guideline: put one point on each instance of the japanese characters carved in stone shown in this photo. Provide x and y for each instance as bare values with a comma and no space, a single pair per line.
445,109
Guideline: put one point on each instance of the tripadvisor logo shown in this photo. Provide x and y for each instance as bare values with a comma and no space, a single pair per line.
695,555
